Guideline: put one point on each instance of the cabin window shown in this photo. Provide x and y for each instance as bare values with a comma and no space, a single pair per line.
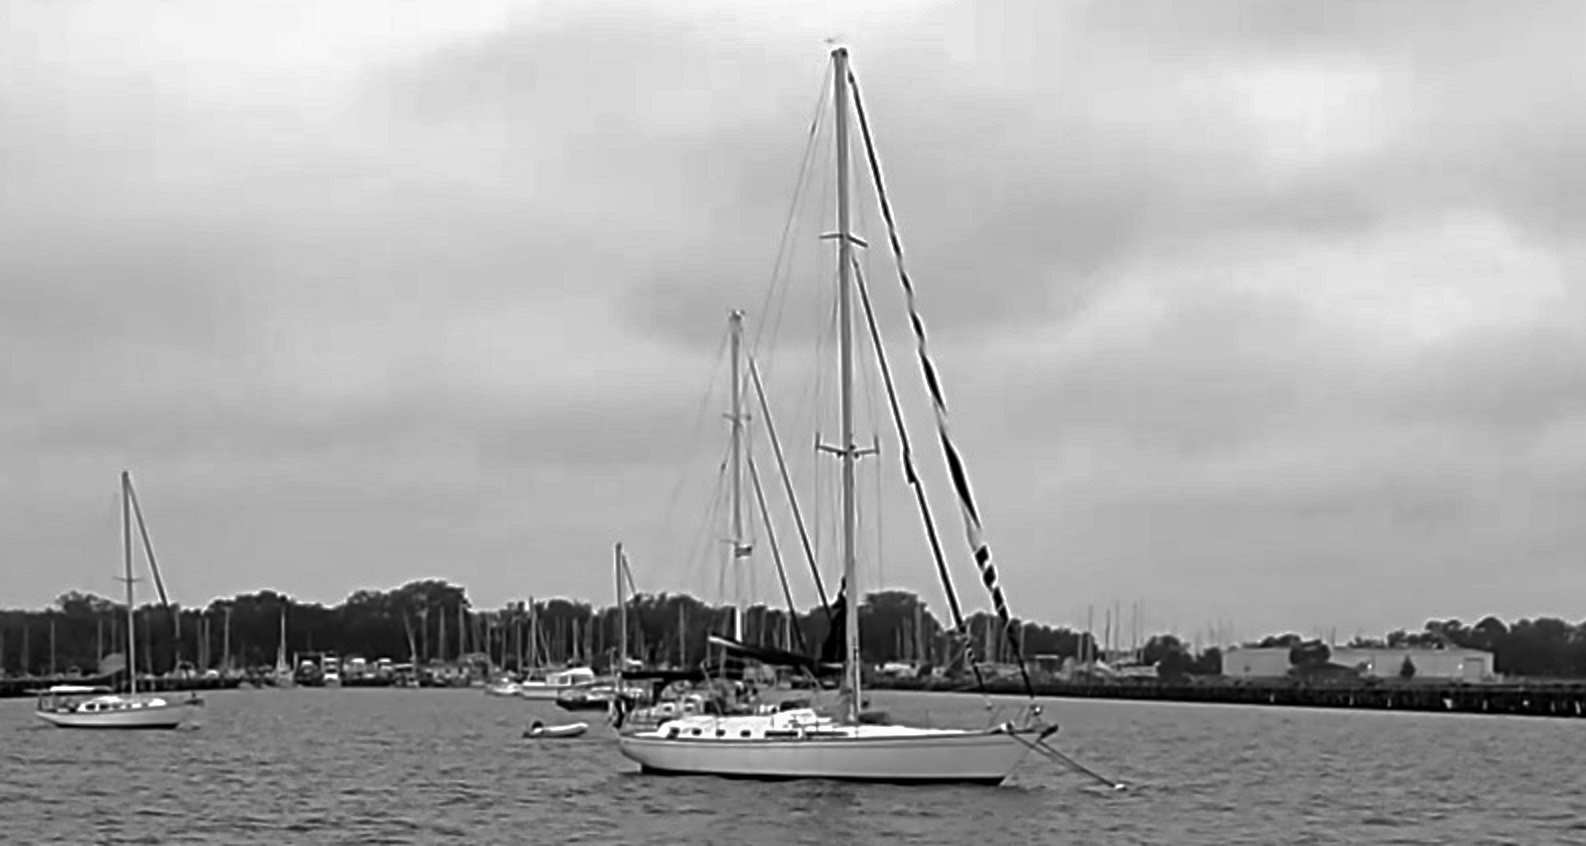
696,732
744,733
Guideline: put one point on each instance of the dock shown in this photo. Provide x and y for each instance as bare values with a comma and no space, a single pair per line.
1531,699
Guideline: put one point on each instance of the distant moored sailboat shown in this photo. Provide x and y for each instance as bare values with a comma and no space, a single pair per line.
72,706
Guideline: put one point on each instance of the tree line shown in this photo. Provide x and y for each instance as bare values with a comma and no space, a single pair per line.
432,620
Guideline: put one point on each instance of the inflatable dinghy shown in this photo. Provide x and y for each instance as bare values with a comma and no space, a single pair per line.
541,731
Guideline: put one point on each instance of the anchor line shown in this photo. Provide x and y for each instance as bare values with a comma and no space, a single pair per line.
1041,747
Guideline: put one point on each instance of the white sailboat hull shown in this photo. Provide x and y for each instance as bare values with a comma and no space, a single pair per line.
895,754
548,692
152,714
553,684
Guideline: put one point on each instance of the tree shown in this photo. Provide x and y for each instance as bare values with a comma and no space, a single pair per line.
1208,663
1175,665
1311,655
1160,647
1407,669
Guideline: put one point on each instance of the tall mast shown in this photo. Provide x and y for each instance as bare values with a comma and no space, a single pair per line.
126,548
845,333
622,618
534,633
740,551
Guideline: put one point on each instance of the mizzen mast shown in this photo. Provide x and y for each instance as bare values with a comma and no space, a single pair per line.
741,548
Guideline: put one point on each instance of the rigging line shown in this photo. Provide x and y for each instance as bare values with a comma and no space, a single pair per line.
787,483
749,575
824,485
114,500
810,146
627,571
809,410
868,389
148,553
783,266
699,421
814,397
694,551
1041,747
973,530
719,537
912,476
880,510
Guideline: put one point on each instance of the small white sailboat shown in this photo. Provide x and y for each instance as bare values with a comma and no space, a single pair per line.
69,706
504,686
77,706
800,742
603,696
553,685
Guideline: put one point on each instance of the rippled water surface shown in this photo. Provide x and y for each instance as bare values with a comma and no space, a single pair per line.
440,766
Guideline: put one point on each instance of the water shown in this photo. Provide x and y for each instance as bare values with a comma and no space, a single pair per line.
437,766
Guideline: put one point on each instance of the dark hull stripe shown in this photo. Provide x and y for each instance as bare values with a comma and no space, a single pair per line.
991,781
115,728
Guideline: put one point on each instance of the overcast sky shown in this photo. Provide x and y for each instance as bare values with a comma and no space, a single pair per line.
1275,317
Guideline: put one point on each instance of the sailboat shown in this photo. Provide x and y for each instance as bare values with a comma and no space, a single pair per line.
69,706
683,692
545,684
611,694
283,669
799,741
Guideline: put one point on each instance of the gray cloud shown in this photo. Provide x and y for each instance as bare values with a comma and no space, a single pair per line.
1264,307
